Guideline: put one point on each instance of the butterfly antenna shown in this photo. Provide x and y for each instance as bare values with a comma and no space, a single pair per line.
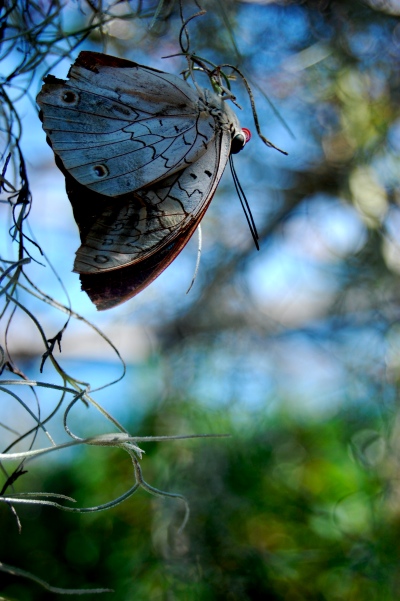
196,269
245,204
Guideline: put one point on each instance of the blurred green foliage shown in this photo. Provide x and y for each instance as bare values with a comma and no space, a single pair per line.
288,509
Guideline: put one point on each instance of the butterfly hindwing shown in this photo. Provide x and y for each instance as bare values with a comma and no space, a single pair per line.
133,230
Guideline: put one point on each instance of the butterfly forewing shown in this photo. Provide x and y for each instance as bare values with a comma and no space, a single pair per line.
117,130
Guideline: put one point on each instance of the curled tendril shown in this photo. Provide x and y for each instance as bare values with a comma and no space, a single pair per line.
216,75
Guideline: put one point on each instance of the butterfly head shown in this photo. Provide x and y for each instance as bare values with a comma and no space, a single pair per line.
240,140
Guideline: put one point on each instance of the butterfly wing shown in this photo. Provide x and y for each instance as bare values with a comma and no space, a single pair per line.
112,288
118,126
144,235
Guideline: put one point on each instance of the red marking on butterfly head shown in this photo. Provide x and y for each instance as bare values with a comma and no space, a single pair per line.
240,140
247,134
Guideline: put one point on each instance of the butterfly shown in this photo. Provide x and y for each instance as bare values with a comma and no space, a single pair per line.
142,152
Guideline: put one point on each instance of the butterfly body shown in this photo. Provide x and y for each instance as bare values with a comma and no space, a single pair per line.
147,148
